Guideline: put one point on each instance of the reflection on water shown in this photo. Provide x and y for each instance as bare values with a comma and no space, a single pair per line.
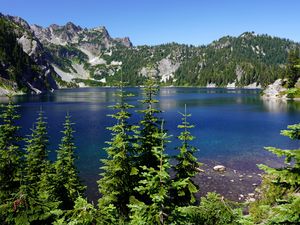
167,104
168,91
281,105
231,125
275,105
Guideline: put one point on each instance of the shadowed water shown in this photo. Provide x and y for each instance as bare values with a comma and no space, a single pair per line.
232,126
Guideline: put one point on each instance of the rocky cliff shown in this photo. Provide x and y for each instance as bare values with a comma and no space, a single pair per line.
23,62
69,55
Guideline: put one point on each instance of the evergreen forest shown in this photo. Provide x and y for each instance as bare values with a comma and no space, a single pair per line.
138,184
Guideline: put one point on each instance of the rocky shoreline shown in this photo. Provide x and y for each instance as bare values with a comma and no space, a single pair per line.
235,185
277,90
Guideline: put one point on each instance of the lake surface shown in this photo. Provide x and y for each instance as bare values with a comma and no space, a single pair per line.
232,126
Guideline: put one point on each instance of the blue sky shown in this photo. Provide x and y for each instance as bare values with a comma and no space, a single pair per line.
161,21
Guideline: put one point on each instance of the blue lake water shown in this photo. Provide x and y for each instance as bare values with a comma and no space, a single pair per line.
232,126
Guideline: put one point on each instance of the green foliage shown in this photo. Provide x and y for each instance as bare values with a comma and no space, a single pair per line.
292,93
37,193
136,184
64,56
10,153
116,184
37,152
155,184
26,209
279,201
293,71
253,55
83,213
149,126
69,187
16,67
185,169
213,210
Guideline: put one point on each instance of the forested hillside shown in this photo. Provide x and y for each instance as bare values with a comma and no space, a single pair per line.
74,56
20,70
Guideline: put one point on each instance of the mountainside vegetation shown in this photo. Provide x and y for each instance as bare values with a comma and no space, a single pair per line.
289,86
19,71
36,59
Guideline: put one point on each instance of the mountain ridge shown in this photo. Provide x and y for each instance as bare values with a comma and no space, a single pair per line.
77,56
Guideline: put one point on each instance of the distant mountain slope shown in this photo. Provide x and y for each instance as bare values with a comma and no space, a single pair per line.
23,66
36,59
242,60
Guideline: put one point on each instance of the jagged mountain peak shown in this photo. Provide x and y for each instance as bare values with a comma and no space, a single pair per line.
100,28
74,34
16,19
125,41
68,27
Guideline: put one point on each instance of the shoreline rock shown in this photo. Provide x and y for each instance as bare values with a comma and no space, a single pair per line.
275,90
219,168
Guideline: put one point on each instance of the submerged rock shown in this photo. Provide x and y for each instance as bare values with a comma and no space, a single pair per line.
219,168
198,169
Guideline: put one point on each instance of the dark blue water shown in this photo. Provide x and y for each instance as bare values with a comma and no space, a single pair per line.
232,126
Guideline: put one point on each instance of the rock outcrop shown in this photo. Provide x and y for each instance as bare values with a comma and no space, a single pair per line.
219,168
275,90
93,40
66,55
32,72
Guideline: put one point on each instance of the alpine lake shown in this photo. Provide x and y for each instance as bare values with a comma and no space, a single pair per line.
232,127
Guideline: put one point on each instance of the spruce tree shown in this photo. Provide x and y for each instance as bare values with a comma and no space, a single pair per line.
37,151
293,71
69,187
149,126
280,200
155,184
184,187
83,213
116,184
10,153
38,189
36,201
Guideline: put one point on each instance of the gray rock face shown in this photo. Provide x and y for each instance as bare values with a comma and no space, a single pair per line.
239,72
40,79
90,42
57,34
167,68
18,20
30,46
124,41
274,90
94,40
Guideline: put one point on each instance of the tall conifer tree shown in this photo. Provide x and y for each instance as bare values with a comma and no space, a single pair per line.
150,125
10,153
293,70
184,187
37,151
155,183
280,200
36,202
116,183
69,186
